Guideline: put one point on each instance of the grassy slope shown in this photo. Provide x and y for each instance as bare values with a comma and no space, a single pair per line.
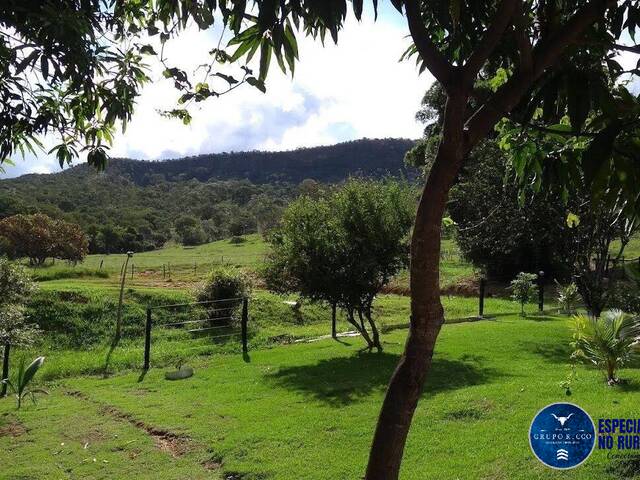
189,265
307,412
272,322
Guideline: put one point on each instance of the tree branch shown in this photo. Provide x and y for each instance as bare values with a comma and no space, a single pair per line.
492,36
439,67
545,54
628,48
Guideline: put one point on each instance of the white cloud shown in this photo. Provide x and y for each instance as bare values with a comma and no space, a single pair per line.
353,90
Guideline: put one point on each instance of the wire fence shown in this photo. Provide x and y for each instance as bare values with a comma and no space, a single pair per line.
216,321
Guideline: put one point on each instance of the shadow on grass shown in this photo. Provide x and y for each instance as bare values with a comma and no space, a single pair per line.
344,380
551,352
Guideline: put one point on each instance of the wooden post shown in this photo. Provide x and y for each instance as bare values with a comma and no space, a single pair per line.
164,271
147,340
245,320
5,369
541,291
101,262
132,268
481,298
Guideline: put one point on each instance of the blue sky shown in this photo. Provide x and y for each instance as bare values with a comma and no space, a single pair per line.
356,90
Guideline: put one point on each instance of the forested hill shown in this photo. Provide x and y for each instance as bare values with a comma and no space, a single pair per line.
369,157
139,205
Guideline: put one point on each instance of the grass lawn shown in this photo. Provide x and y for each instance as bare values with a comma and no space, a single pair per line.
307,411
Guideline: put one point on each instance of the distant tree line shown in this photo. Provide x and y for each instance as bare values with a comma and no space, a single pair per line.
119,216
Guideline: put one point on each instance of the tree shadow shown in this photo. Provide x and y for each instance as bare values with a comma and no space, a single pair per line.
107,360
345,380
551,352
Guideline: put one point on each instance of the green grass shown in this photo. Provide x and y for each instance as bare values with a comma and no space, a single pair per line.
79,322
307,411
182,267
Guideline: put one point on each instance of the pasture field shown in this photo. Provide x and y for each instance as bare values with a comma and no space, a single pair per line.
307,411
181,267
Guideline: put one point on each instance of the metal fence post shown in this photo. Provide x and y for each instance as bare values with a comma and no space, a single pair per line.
541,291
245,319
481,298
147,340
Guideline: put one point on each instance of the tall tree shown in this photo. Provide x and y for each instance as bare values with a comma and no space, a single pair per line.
530,60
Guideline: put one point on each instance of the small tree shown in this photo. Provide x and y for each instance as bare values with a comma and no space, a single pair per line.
15,288
568,297
595,229
38,237
343,247
524,289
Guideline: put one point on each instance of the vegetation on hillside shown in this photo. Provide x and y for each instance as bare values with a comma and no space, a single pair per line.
139,206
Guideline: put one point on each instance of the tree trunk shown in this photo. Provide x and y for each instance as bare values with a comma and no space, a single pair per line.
427,314
5,369
363,332
374,329
334,333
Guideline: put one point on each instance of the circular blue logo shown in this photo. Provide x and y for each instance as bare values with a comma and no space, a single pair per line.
562,435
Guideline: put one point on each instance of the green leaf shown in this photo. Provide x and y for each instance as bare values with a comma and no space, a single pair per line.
357,9
265,59
147,50
259,84
598,152
30,371
573,220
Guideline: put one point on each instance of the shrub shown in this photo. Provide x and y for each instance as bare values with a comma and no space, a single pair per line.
237,240
608,341
524,289
224,287
568,298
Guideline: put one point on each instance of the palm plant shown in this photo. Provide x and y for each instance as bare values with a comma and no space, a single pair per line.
22,379
608,341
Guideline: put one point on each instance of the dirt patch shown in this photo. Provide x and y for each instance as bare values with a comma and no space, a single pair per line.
169,442
172,443
12,429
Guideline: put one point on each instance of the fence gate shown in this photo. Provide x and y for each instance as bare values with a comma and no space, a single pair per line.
213,321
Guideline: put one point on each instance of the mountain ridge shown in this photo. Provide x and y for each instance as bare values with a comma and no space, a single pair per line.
329,163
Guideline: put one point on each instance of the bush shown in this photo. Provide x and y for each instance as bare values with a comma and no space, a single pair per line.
237,240
224,287
568,298
608,342
524,289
